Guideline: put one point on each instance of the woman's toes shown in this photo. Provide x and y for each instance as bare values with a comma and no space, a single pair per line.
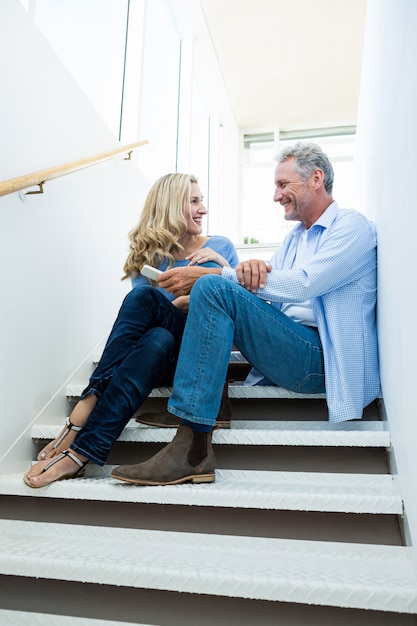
34,471
46,452
32,479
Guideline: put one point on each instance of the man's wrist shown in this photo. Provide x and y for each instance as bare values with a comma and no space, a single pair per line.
210,270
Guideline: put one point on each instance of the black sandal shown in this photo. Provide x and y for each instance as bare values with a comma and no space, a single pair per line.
69,426
80,472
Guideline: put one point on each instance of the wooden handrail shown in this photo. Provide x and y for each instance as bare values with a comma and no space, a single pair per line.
41,177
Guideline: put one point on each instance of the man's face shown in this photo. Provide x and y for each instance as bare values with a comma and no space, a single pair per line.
291,191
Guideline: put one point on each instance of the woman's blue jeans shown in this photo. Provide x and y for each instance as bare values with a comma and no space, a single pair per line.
223,313
140,353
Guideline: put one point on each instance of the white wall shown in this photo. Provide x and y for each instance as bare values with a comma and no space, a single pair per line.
387,134
62,252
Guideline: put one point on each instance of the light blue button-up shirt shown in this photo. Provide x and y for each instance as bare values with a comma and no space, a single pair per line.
338,276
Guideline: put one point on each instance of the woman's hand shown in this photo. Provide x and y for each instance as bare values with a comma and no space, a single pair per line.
252,274
182,303
207,254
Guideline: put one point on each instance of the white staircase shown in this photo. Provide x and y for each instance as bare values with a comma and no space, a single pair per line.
302,526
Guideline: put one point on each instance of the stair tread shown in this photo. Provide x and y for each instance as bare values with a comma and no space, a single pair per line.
235,357
280,433
12,618
236,390
248,489
308,572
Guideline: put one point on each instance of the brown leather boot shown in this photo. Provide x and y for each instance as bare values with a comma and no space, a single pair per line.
188,458
164,419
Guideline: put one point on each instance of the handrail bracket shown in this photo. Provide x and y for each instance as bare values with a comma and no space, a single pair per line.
40,190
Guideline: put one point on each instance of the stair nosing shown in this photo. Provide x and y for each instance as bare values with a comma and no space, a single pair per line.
244,489
273,433
236,390
284,570
10,617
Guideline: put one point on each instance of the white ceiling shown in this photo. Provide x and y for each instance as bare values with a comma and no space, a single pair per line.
289,64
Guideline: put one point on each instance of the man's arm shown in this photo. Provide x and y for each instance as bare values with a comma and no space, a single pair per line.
346,252
180,280
250,274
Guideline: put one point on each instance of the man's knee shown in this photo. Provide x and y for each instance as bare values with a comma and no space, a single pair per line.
207,284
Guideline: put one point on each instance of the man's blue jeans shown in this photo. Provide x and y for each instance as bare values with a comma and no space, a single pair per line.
140,353
221,314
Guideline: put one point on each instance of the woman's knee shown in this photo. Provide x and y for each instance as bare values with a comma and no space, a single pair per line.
140,295
161,340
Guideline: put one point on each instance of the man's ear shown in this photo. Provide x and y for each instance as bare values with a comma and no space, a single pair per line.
317,178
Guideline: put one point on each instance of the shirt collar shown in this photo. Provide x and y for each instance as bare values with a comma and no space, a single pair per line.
327,217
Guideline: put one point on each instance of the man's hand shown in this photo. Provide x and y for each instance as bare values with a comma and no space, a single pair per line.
252,274
180,280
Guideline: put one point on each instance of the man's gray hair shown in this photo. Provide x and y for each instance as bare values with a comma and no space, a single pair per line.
309,157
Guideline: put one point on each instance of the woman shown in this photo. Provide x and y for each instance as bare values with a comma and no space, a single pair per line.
142,349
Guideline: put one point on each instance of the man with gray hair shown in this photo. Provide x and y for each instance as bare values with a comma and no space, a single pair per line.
306,320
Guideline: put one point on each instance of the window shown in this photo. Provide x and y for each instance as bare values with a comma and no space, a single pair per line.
96,62
262,219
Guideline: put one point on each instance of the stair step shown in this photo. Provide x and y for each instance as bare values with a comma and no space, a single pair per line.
235,357
306,572
246,489
259,433
23,618
236,390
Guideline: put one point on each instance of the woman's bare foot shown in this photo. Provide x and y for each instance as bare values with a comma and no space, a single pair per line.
78,418
65,467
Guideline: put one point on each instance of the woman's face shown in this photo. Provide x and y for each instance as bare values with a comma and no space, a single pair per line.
195,211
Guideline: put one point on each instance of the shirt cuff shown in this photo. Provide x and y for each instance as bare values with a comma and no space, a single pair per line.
230,274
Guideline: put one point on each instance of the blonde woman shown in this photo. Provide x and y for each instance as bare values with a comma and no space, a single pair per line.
142,349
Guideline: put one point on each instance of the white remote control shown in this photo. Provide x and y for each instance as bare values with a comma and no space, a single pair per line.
150,272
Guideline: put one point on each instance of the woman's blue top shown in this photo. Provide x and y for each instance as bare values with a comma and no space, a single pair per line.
221,245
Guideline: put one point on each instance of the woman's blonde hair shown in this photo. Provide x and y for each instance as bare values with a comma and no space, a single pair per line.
161,225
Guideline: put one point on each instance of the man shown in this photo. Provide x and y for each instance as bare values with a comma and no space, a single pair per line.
306,321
